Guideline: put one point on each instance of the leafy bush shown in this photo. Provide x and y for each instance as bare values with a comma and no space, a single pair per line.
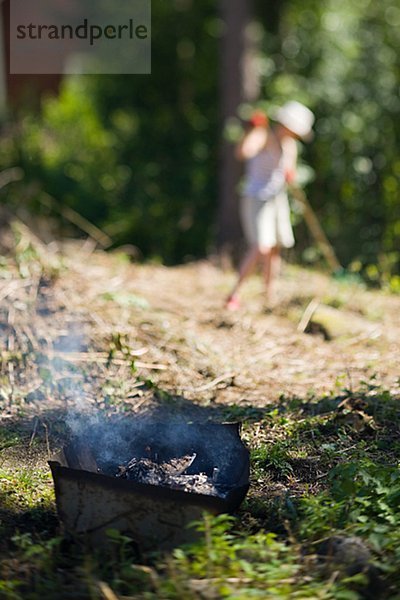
365,499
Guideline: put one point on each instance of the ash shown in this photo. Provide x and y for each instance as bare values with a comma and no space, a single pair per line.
172,474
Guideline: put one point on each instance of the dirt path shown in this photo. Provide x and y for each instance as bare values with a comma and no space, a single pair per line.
169,324
249,357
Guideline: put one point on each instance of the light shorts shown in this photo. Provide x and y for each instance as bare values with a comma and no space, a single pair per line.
267,224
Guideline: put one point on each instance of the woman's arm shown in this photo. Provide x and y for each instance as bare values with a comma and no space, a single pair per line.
289,149
252,143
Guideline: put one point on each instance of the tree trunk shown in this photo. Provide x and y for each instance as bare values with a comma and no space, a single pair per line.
235,87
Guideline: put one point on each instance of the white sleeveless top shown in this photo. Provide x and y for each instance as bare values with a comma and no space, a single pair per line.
264,173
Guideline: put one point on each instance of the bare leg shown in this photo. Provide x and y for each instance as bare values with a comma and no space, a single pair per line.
247,266
277,262
272,264
266,254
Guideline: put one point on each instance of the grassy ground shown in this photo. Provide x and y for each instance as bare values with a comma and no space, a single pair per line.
85,331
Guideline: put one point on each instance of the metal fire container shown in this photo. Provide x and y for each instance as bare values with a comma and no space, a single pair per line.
91,499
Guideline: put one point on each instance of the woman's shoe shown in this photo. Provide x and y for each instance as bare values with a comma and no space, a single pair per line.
232,303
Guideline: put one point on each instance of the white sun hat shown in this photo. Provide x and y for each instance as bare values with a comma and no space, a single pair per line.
296,117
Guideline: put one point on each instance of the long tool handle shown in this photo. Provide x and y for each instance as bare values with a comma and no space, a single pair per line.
316,230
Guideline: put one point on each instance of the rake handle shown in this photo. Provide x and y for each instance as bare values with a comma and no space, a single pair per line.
316,230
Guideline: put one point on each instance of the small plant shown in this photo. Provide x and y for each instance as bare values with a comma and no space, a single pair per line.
274,458
226,565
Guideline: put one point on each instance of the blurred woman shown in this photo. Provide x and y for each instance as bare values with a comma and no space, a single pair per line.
270,156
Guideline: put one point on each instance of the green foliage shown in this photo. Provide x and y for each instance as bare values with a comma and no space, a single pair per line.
342,59
71,155
240,567
40,554
364,498
139,155
275,458
27,488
